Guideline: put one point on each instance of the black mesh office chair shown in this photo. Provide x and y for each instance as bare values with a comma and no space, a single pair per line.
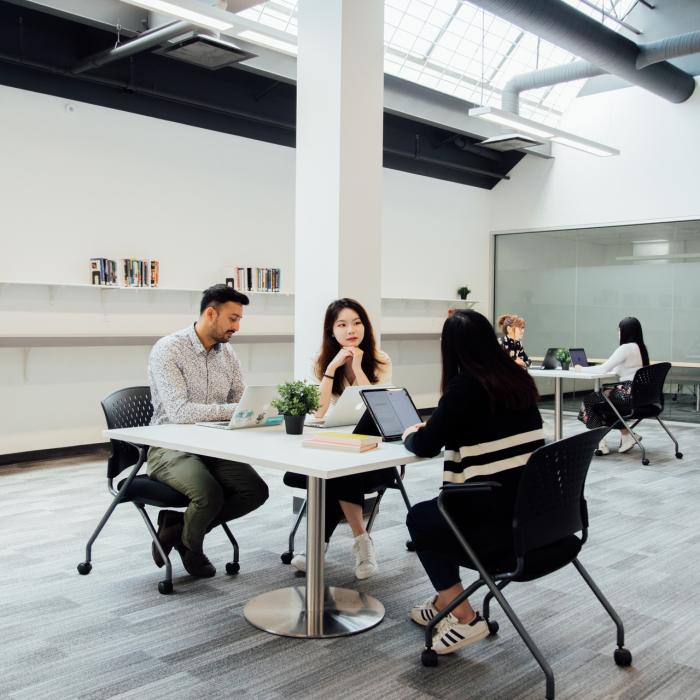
550,510
379,486
646,401
131,408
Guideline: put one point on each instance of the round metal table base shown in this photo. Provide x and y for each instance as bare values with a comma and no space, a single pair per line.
283,612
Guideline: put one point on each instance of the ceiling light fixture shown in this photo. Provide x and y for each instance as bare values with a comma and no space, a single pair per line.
189,10
543,131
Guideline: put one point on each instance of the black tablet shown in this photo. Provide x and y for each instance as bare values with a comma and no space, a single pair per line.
393,411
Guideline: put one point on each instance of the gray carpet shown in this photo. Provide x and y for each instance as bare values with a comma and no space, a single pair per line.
110,634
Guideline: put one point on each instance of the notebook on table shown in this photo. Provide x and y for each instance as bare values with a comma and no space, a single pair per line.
392,410
549,362
254,410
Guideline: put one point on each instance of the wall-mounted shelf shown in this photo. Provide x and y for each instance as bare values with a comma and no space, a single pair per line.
111,287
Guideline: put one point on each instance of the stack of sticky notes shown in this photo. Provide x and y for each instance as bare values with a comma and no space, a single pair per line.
348,442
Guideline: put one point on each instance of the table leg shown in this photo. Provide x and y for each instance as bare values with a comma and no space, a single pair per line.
314,610
557,408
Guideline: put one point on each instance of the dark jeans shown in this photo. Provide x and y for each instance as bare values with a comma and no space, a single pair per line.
351,489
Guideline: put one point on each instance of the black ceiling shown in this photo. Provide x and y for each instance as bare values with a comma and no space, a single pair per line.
38,49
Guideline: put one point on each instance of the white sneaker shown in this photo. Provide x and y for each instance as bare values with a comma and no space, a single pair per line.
299,560
603,447
627,441
424,613
451,635
365,556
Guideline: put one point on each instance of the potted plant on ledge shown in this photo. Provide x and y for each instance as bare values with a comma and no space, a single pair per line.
296,399
463,292
562,354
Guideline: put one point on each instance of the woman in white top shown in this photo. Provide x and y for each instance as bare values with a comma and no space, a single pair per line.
625,361
348,357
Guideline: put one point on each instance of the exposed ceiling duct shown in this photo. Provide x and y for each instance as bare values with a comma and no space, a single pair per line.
673,47
565,26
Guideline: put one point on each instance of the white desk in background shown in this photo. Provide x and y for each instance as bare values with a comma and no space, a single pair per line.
313,610
557,375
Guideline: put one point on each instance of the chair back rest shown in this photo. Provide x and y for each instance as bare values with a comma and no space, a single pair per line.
648,386
549,504
126,408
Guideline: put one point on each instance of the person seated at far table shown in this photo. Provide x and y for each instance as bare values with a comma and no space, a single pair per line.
513,329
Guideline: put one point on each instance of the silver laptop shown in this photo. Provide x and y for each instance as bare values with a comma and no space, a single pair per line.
254,410
347,410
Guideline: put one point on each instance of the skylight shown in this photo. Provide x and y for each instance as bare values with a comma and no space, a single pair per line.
457,48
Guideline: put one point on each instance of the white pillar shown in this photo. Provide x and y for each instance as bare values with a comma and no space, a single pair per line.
340,79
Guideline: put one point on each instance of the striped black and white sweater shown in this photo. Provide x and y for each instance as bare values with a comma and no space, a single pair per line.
478,444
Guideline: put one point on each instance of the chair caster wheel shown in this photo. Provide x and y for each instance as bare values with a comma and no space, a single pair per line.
493,627
410,545
429,657
84,568
165,587
645,462
679,455
232,568
287,557
623,657
598,453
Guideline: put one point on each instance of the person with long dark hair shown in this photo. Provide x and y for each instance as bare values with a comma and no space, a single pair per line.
348,357
488,423
625,361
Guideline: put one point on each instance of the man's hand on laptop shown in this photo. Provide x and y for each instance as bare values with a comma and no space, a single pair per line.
412,429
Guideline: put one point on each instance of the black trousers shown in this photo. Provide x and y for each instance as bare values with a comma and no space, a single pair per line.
351,489
484,521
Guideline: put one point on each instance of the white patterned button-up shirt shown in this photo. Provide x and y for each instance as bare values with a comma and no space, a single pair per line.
189,384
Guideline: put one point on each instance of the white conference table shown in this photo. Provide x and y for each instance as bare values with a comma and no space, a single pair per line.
557,375
314,610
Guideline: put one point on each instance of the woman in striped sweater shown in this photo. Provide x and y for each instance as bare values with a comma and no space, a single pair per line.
488,422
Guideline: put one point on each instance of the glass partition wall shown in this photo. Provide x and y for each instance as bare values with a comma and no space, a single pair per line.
573,286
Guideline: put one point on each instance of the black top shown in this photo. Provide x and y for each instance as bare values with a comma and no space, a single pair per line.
514,349
477,443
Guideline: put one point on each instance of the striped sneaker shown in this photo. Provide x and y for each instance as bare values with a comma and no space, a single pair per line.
424,613
451,635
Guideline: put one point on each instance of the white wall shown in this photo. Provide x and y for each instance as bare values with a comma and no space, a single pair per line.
95,182
654,178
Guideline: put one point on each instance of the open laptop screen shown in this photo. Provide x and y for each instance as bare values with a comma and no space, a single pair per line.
392,409
578,357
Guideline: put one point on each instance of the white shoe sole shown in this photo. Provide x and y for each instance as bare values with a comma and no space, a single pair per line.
463,642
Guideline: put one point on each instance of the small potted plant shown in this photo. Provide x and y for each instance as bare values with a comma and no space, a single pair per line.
296,399
463,292
562,354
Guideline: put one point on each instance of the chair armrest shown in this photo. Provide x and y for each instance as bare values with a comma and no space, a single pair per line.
476,487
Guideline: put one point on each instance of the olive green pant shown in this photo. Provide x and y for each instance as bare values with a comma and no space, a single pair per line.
219,490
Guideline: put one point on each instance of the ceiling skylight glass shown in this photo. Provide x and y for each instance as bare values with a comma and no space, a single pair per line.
456,48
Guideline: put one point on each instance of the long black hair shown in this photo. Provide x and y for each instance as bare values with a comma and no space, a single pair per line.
631,332
469,347
330,346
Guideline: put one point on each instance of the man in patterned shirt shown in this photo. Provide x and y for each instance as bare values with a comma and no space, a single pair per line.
195,376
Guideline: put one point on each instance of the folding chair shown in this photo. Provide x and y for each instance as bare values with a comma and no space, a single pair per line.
130,408
646,401
550,509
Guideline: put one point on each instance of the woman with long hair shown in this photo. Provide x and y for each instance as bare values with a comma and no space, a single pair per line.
512,330
630,356
348,357
488,423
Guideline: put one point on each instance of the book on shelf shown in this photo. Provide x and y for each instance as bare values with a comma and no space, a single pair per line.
255,279
134,272
103,271
350,442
